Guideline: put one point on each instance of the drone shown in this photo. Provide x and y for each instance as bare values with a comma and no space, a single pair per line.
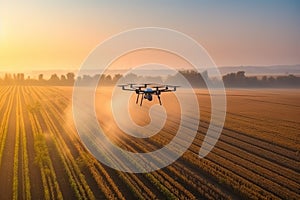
147,90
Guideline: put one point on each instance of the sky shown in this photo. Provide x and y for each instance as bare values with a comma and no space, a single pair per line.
44,35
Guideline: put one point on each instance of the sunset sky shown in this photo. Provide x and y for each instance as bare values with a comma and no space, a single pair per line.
42,35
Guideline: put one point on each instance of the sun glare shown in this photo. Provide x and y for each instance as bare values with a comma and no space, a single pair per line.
1,31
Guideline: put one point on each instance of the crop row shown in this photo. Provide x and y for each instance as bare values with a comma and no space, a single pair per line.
24,154
20,161
5,121
42,157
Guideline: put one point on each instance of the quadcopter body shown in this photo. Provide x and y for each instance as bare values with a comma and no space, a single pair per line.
147,90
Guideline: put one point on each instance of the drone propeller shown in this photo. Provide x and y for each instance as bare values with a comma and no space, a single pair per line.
131,84
139,85
145,85
158,86
172,86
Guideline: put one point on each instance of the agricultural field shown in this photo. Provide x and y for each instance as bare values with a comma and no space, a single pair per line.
256,157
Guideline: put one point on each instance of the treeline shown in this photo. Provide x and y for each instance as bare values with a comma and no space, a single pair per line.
195,79
239,79
19,79
234,80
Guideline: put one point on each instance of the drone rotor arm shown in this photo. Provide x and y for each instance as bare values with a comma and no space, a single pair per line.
129,89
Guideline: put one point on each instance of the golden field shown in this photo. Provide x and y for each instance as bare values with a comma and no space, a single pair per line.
256,157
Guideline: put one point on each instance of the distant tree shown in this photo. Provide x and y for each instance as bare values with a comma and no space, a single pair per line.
54,80
63,78
7,77
54,77
117,77
21,77
235,79
70,78
241,75
41,77
194,77
108,79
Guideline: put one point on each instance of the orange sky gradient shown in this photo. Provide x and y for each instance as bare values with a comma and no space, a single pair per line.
53,35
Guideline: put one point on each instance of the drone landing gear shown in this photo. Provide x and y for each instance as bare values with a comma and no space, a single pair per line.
142,100
144,97
137,98
159,99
